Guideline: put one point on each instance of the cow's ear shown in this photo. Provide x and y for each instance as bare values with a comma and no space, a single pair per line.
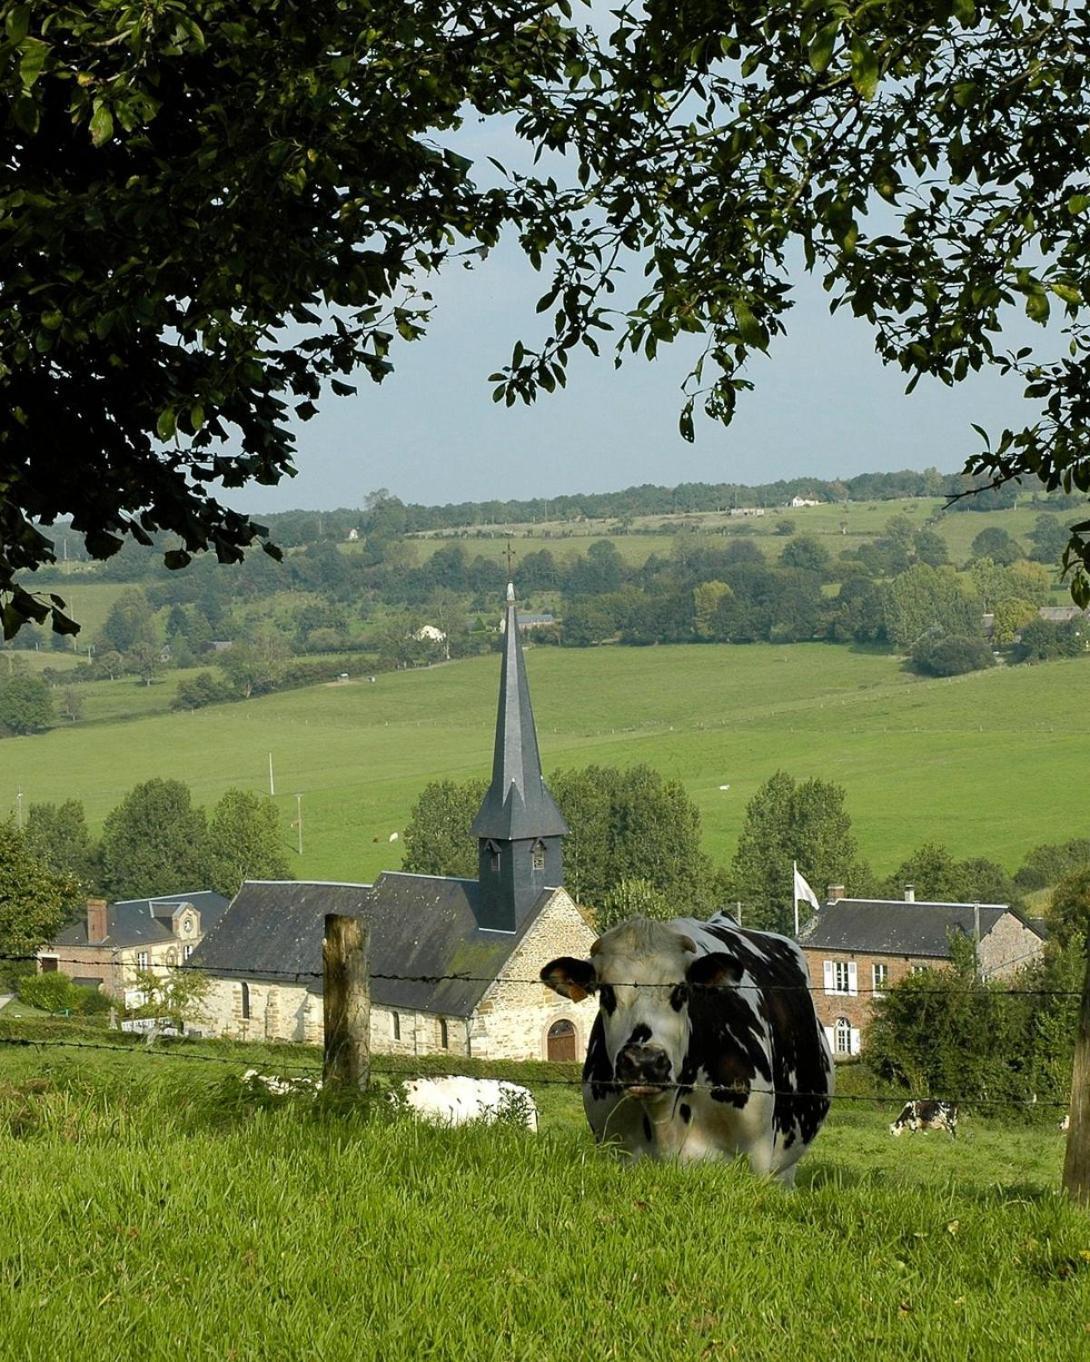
571,978
717,970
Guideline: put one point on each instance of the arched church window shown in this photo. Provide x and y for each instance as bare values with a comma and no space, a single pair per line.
245,1002
537,856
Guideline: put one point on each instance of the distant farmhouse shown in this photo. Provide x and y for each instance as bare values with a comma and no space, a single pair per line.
112,941
529,622
797,502
857,948
453,962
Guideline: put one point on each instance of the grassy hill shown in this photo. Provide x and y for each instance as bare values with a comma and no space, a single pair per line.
990,763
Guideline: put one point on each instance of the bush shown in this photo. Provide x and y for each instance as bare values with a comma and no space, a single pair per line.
55,992
203,689
951,655
1043,640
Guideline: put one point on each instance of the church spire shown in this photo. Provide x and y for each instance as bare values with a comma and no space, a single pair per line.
519,825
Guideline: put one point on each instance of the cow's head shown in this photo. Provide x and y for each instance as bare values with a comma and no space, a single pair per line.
643,974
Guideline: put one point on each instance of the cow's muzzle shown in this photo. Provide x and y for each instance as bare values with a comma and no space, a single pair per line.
643,1069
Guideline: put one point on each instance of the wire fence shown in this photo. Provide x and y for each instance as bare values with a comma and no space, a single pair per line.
267,972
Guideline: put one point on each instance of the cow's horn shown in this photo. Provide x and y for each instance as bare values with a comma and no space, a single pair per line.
596,947
688,944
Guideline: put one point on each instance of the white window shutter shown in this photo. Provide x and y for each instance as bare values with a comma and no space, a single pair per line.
830,1036
829,981
856,1045
853,978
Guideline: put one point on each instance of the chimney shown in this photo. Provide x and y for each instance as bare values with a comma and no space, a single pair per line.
97,920
834,893
910,893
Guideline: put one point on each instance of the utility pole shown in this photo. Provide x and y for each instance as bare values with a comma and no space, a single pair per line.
976,940
272,782
19,808
299,820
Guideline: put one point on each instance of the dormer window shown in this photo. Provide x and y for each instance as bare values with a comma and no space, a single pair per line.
537,856
493,857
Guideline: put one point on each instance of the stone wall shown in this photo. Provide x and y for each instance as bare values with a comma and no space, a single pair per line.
1009,946
513,1018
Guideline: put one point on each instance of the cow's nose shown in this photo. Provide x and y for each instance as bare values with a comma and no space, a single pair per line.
643,1064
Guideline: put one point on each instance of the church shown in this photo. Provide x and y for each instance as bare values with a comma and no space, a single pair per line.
453,962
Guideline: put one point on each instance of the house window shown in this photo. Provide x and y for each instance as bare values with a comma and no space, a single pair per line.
172,958
141,959
919,969
493,857
879,978
245,1002
395,1025
444,1038
187,951
841,976
843,1036
537,856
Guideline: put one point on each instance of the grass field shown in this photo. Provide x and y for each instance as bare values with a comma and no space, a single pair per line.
991,763
150,1211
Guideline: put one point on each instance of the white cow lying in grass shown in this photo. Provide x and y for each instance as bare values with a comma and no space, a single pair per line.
453,1100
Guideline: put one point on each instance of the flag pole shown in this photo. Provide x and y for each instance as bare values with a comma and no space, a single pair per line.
794,895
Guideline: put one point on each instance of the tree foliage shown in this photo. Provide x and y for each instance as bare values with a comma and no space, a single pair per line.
633,898
58,834
33,898
26,705
229,204
153,842
925,599
788,820
940,654
244,842
937,877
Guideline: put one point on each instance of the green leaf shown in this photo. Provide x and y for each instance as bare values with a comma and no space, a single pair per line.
102,126
32,61
1078,203
1067,292
166,424
749,328
17,22
864,68
196,416
820,52
1037,308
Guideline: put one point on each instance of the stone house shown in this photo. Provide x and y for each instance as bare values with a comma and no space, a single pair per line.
453,962
857,948
112,941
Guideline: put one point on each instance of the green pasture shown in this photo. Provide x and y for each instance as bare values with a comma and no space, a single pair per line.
991,763
153,1210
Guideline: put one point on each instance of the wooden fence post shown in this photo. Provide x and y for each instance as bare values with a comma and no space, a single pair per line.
1076,1181
346,1004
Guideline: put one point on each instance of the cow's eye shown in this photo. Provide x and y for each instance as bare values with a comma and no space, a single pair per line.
679,996
608,998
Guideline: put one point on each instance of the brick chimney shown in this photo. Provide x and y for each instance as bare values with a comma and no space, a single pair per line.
97,920
834,893
910,893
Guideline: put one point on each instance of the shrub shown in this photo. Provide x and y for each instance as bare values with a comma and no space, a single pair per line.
951,655
1042,640
203,689
53,992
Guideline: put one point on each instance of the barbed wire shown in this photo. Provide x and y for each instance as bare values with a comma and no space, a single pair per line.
532,1081
267,972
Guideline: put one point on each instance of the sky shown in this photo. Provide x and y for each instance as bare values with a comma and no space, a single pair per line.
823,405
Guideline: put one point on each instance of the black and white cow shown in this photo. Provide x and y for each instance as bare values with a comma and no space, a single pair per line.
926,1116
706,1044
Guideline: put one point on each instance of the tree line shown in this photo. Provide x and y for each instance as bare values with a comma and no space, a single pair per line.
155,842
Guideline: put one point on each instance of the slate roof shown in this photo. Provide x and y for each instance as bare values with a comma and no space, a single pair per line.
518,805
138,922
894,927
419,925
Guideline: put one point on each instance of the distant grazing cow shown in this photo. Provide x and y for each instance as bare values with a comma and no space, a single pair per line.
1065,1124
927,1116
706,1044
454,1100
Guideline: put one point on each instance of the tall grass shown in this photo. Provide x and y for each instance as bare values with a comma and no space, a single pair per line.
150,1211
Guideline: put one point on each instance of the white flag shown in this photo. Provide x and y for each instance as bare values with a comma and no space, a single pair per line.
804,892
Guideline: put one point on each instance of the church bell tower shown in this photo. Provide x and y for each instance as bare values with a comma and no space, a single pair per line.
519,828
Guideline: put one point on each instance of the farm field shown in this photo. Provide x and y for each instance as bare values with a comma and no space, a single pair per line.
153,1211
988,763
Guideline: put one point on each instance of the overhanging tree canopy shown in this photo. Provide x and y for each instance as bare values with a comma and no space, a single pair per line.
183,178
